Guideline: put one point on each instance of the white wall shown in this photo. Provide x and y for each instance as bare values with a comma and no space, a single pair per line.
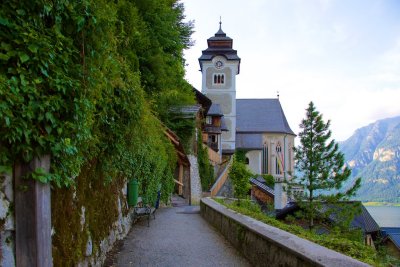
254,157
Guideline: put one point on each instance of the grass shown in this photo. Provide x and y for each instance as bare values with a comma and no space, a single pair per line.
332,241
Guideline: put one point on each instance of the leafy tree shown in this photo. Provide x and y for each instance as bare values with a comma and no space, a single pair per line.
322,169
240,176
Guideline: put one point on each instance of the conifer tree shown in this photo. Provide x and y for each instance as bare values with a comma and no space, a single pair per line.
321,168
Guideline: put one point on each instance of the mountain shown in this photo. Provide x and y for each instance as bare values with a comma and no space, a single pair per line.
373,153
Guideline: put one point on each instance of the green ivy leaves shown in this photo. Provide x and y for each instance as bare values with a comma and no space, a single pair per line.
71,86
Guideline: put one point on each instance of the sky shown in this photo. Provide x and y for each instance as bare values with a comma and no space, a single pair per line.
343,55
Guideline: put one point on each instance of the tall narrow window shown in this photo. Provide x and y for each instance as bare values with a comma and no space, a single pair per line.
279,161
264,168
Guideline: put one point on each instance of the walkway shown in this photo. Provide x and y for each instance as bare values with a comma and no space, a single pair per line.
177,237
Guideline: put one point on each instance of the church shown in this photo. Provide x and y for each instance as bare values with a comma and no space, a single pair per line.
257,126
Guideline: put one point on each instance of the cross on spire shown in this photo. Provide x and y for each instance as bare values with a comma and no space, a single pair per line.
220,22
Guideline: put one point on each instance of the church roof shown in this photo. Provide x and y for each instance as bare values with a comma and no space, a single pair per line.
261,116
249,141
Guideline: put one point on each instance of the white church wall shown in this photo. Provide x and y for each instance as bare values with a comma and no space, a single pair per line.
286,142
254,157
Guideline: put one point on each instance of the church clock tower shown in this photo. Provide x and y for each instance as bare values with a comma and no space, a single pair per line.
219,65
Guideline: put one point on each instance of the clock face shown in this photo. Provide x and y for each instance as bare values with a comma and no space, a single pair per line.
219,64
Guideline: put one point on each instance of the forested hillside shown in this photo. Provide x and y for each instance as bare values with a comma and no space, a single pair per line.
373,152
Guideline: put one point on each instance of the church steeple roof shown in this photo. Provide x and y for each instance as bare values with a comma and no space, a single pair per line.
220,32
220,39
219,45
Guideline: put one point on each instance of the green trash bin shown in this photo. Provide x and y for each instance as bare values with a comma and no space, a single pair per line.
133,192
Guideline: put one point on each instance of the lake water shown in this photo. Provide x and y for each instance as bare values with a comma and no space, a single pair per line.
385,216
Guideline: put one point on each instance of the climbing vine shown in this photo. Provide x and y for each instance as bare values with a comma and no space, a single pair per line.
81,80
206,170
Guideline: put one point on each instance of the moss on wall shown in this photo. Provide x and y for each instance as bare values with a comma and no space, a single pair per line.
100,202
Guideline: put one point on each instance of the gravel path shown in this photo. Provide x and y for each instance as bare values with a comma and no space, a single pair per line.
177,237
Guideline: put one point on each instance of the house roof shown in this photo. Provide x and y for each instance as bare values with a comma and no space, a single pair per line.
190,110
260,183
261,116
392,233
215,110
363,221
395,238
203,100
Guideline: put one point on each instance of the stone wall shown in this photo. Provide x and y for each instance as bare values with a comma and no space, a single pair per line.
7,229
195,183
264,245
81,237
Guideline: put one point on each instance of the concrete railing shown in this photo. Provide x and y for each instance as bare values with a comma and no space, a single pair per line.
220,180
265,245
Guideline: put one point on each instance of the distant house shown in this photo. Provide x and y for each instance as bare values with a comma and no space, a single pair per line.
362,221
391,238
213,128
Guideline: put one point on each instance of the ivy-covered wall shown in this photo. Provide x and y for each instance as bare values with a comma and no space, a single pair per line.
84,215
92,83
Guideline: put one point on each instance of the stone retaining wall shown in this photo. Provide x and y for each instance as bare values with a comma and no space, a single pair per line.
264,245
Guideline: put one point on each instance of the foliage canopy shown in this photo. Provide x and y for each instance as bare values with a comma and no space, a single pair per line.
90,81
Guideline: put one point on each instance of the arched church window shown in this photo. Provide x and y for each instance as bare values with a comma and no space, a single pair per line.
279,159
264,165
278,148
219,78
